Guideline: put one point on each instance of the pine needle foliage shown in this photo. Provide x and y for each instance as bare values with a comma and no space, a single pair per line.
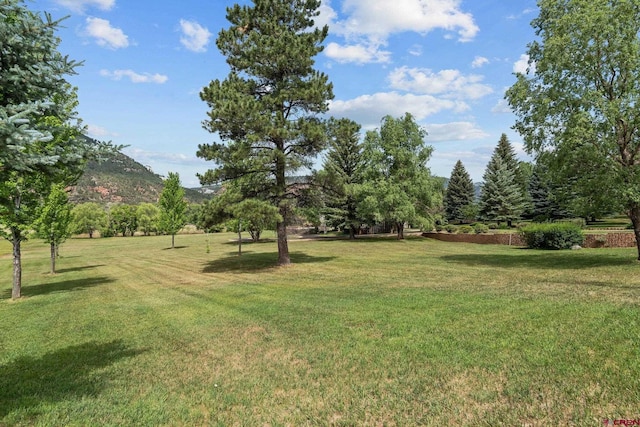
268,110
460,193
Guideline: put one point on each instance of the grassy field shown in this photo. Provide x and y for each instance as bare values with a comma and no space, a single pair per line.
371,332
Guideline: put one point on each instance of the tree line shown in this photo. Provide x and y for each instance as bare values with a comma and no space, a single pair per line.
576,108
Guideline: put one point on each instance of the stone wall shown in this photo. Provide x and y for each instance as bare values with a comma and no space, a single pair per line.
609,240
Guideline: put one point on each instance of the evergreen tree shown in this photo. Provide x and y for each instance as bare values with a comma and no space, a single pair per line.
501,198
172,207
521,170
546,196
54,221
40,141
460,193
341,176
267,111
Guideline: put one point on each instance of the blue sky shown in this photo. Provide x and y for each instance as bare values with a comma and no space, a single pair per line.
448,62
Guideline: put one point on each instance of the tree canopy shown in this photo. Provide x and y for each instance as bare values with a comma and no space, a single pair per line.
579,100
53,224
399,186
502,197
40,141
267,111
341,177
172,207
460,193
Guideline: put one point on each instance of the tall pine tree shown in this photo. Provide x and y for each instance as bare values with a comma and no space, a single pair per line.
341,176
460,193
267,111
502,197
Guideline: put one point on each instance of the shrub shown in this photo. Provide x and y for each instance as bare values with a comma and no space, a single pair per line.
480,228
493,226
450,228
558,235
439,227
580,222
465,229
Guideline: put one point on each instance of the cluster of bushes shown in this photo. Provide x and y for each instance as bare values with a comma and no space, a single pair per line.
477,228
553,235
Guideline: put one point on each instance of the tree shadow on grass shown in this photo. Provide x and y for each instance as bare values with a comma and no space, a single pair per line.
72,372
175,247
530,258
63,286
251,262
70,270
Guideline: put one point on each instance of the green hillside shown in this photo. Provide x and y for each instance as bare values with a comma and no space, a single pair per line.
120,179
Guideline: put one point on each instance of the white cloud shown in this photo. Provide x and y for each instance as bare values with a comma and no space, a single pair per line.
501,107
195,37
105,34
369,109
146,157
369,23
384,17
98,132
135,77
522,66
454,131
80,5
479,61
449,83
525,12
327,15
359,54
415,50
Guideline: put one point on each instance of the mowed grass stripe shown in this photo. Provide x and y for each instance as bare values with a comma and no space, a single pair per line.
368,332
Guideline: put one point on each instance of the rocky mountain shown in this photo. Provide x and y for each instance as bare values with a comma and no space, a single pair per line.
120,179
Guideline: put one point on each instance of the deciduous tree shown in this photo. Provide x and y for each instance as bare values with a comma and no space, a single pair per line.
267,111
147,214
172,207
123,219
579,100
54,220
399,185
88,218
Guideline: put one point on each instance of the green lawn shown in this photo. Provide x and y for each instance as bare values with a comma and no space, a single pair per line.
371,332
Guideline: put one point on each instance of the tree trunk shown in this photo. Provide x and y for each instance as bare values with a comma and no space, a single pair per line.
634,215
283,245
400,228
173,240
53,258
91,234
239,237
16,239
352,232
281,187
